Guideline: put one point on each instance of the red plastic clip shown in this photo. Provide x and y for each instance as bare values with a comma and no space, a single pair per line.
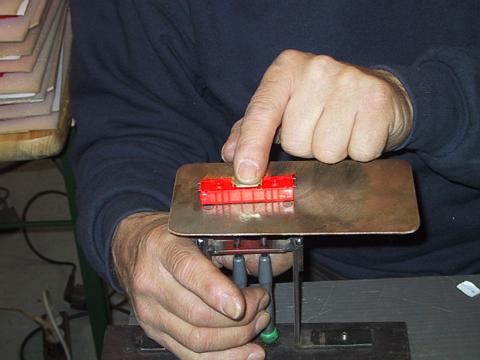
224,191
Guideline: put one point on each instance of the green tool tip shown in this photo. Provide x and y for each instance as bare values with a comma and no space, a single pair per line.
271,337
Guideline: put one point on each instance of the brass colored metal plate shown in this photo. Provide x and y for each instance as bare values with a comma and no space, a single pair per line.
345,198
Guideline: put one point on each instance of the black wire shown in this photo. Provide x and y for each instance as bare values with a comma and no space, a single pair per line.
4,197
25,341
27,238
35,331
7,193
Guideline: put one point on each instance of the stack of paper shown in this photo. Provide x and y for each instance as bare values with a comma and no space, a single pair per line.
35,40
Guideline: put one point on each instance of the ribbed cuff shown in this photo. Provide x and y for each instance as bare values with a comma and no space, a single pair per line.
438,119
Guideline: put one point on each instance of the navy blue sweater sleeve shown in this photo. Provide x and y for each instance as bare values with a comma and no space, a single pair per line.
136,121
444,85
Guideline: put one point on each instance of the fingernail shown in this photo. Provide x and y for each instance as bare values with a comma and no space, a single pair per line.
247,171
256,356
262,321
264,302
230,307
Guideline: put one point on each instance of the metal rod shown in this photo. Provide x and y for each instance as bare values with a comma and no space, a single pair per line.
297,295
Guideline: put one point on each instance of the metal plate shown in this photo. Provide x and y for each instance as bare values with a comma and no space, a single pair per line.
345,198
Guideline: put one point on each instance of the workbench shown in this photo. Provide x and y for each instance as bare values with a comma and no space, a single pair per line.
443,323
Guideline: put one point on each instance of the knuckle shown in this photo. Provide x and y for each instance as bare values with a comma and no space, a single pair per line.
236,127
296,147
350,77
262,106
143,315
246,335
324,61
288,55
198,341
142,282
380,95
182,264
281,262
198,317
323,65
248,143
163,340
328,156
191,315
362,153
149,331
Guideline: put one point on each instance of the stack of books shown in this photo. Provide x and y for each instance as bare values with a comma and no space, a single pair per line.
35,42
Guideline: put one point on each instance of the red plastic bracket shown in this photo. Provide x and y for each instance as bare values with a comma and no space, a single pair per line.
218,191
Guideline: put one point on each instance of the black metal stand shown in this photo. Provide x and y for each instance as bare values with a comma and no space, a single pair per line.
328,341
305,341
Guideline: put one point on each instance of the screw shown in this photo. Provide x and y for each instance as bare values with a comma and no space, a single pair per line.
210,250
298,241
344,336
263,241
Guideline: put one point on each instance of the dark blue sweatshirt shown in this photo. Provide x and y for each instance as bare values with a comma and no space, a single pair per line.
158,83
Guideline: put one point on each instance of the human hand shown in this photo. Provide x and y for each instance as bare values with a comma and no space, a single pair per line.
319,107
180,298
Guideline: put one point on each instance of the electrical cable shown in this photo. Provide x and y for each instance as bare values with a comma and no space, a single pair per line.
25,341
25,313
71,279
6,195
27,238
35,331
49,260
48,309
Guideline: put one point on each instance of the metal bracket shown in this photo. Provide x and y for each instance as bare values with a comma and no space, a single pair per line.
233,246
348,341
